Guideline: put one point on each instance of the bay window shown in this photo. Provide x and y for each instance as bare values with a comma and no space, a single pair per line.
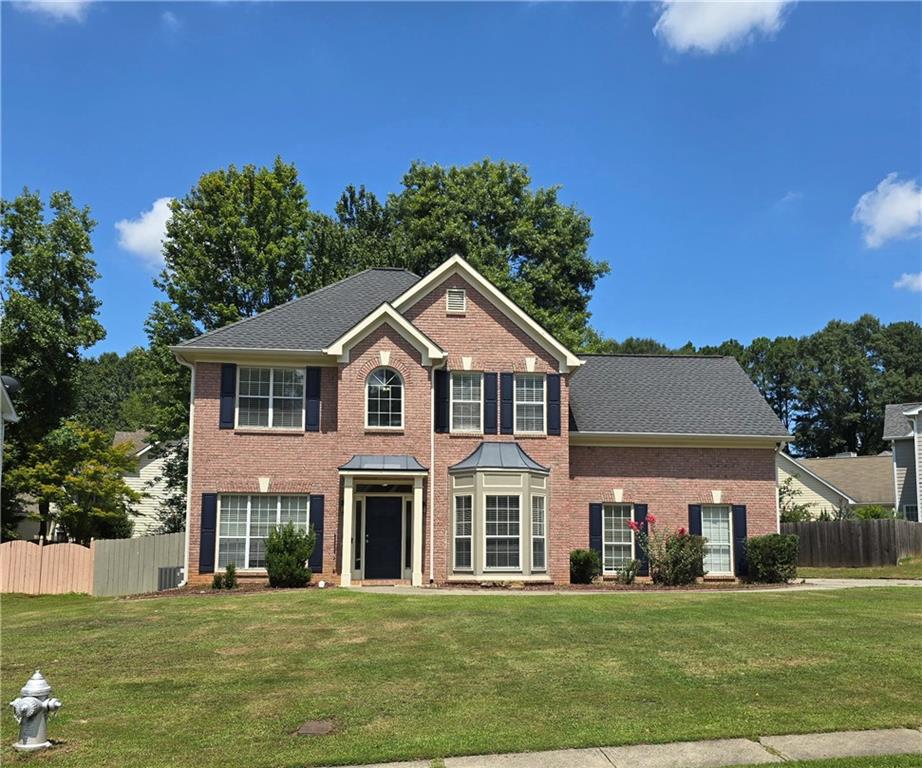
502,532
538,534
464,529
270,397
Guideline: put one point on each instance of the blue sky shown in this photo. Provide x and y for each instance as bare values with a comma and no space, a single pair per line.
721,157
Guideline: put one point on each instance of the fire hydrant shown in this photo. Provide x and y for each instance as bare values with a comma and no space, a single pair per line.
31,710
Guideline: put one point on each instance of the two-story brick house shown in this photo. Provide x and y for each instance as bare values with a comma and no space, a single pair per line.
432,432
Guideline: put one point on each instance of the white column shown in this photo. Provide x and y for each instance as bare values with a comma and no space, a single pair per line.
417,532
345,574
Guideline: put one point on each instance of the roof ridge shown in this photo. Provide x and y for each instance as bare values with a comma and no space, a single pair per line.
296,300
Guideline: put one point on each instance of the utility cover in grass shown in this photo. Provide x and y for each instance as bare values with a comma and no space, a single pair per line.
316,728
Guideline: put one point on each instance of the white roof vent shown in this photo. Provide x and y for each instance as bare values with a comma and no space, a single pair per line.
456,301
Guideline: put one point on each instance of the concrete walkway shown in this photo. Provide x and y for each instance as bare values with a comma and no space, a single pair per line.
808,585
700,754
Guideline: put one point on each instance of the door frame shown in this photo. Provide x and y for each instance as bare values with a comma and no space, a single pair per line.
362,498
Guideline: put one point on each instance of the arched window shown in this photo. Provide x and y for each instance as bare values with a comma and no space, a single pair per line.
384,399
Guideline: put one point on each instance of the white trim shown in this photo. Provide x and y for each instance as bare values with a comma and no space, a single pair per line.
467,493
515,404
253,356
451,403
386,314
457,265
403,401
362,498
609,571
271,369
504,569
245,568
816,477
448,308
674,439
393,474
187,557
729,508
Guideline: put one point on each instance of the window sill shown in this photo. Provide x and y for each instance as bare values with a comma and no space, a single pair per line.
384,430
529,434
466,433
269,431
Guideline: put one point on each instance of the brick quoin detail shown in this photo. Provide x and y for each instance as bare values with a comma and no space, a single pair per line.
667,479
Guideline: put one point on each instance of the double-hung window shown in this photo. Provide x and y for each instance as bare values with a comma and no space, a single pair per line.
529,402
716,527
464,529
617,537
466,402
503,532
538,533
244,523
270,397
384,399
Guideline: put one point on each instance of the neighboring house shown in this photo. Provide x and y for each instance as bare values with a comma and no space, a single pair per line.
432,432
144,480
903,428
819,494
8,386
865,480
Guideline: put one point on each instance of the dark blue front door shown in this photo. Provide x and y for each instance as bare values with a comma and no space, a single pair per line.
383,515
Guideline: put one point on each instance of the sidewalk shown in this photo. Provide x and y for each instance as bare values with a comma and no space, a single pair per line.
699,754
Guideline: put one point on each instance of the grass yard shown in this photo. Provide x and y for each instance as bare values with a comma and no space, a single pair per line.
225,680
908,568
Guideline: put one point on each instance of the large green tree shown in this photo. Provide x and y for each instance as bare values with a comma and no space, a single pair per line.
110,391
49,317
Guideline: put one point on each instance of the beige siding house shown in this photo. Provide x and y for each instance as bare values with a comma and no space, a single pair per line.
903,428
145,481
812,490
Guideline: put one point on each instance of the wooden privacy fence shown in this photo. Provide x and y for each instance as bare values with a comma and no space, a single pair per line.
106,567
855,543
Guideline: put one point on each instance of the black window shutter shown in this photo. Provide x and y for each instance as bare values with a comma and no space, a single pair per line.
740,560
441,401
489,403
207,533
316,519
643,567
553,403
228,394
694,519
312,400
506,383
595,528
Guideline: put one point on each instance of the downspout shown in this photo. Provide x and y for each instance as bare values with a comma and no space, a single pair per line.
778,449
432,471
185,570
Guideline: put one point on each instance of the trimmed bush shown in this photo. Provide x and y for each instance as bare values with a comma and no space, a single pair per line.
772,558
585,565
874,512
287,551
217,581
230,576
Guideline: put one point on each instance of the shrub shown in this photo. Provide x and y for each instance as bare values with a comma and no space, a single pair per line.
675,558
217,581
627,574
287,552
585,565
230,576
874,512
772,558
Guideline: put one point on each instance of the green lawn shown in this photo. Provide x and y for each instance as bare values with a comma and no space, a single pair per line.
909,568
224,680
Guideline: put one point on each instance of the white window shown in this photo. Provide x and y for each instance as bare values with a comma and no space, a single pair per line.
716,527
244,523
455,301
384,399
538,533
464,521
617,537
503,532
466,402
911,512
270,397
529,402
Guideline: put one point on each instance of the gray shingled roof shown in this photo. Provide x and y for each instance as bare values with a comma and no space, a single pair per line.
138,440
495,455
364,462
896,425
668,394
313,321
867,479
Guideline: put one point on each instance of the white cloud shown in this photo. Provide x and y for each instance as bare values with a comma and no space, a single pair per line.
791,197
711,27
144,235
891,211
170,20
910,281
57,10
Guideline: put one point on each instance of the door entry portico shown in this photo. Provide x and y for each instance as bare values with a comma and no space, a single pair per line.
383,537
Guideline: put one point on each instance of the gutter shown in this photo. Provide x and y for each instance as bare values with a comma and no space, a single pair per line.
191,367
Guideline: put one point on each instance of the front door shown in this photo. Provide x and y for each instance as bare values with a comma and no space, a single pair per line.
383,535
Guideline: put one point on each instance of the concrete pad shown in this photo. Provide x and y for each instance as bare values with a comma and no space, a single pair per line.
561,758
690,754
816,746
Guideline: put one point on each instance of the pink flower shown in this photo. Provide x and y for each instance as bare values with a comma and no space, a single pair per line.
681,531
651,518
633,525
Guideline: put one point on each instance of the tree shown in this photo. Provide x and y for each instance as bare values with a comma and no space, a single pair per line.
49,316
792,511
77,469
110,393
